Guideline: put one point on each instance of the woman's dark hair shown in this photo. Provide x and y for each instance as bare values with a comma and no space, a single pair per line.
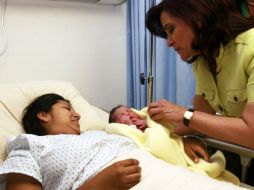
214,24
112,114
237,5
44,103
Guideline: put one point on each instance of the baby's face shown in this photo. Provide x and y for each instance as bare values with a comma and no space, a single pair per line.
125,115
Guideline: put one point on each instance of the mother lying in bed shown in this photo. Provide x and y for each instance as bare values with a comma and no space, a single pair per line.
57,156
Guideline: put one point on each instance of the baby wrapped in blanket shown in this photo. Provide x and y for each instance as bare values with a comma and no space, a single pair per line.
163,143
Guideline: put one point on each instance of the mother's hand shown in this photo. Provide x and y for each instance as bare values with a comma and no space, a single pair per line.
165,111
121,175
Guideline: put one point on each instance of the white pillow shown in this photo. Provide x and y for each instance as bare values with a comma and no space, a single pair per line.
8,126
15,97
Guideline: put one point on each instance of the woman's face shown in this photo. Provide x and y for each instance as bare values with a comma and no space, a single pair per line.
62,119
179,35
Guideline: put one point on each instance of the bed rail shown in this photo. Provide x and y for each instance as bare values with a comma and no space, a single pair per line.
245,154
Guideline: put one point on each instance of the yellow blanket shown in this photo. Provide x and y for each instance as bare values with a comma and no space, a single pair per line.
162,143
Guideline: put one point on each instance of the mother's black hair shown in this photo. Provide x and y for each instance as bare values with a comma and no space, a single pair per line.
31,123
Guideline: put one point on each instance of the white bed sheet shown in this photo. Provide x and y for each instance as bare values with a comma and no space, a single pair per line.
159,175
156,174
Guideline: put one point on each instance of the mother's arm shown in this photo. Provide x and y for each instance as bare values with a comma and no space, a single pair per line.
15,181
121,175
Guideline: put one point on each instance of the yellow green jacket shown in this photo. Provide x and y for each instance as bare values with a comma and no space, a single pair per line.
235,78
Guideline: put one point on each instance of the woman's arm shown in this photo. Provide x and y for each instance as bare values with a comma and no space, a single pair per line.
15,181
231,129
195,149
199,104
121,175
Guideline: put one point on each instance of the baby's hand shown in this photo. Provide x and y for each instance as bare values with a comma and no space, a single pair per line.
141,124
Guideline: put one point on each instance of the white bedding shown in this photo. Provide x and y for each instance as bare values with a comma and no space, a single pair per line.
15,97
60,166
159,175
156,174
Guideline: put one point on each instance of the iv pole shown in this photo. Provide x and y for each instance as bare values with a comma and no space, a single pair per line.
150,76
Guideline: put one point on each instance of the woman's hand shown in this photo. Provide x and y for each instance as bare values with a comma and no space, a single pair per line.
121,175
195,149
164,111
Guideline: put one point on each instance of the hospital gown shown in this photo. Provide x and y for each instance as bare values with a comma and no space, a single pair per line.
63,161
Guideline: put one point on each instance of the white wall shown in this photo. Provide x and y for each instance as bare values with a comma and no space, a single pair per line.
80,43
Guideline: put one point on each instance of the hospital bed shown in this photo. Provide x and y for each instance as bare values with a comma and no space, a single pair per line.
245,154
15,97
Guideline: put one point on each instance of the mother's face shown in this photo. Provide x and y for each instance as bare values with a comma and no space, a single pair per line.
180,36
62,119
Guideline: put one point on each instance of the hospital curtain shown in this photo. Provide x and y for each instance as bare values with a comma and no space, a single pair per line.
173,79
